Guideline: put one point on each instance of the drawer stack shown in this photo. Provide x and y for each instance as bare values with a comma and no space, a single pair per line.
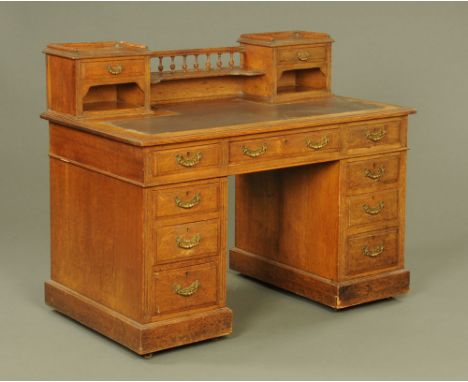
185,247
373,218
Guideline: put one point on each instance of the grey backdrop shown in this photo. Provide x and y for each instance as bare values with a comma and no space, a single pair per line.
413,54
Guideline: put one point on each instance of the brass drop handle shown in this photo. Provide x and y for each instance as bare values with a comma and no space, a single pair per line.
373,210
254,153
187,291
189,203
374,252
188,243
189,161
303,56
321,143
376,134
374,175
114,70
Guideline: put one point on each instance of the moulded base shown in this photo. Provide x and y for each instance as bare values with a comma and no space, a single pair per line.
337,295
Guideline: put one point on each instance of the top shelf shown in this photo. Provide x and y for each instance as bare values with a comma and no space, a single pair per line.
189,74
273,39
79,50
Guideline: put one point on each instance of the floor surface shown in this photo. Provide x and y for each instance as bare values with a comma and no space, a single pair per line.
277,335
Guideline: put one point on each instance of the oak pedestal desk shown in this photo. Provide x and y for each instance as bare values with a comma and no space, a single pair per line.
139,162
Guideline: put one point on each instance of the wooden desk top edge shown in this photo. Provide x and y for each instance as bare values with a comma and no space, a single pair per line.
104,127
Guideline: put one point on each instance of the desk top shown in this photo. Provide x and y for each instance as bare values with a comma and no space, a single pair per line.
174,123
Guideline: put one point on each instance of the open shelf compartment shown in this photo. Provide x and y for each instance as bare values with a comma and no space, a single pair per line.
113,97
302,80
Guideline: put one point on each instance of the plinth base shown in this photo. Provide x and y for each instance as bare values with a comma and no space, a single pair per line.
337,295
141,338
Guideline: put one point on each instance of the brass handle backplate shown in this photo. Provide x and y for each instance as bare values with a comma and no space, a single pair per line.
114,70
373,210
254,153
374,252
188,243
189,203
187,291
376,134
375,175
321,143
303,56
189,161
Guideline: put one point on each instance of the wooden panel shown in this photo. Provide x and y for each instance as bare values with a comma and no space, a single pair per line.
96,237
372,252
185,288
291,216
187,240
301,55
92,151
196,197
273,147
373,174
113,69
61,77
186,160
195,89
373,208
375,135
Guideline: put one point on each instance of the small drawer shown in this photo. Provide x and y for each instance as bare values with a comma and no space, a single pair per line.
372,252
375,135
186,288
302,55
196,197
112,69
373,208
186,160
373,173
187,240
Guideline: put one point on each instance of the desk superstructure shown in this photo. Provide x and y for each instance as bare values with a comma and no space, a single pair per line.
139,161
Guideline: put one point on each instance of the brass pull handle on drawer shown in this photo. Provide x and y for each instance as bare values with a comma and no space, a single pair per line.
187,291
254,153
376,134
321,143
188,204
114,70
188,243
374,175
189,161
374,252
303,56
373,210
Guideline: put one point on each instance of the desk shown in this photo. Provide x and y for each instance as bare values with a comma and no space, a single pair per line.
138,171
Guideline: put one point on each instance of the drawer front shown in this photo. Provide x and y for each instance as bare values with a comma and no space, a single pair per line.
255,150
301,144
373,208
186,160
375,135
185,288
187,241
112,70
196,197
314,142
373,173
301,56
372,252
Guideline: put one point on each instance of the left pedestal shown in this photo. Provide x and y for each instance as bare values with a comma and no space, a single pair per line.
144,265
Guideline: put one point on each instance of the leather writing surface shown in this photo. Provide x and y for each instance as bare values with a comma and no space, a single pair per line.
202,115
